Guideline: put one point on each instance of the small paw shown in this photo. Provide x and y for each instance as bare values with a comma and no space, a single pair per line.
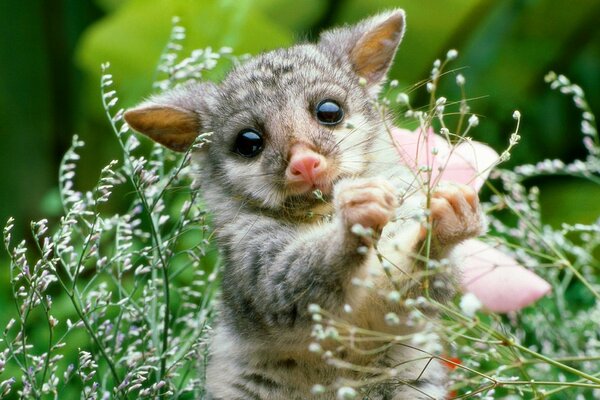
368,202
455,214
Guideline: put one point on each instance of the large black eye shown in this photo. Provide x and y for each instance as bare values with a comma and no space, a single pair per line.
329,112
249,143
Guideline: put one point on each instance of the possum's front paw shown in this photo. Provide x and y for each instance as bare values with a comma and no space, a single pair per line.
455,214
368,202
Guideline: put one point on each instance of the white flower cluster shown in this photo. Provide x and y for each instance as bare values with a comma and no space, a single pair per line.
117,274
189,68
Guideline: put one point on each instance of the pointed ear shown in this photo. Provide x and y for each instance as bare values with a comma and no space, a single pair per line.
173,119
370,45
172,127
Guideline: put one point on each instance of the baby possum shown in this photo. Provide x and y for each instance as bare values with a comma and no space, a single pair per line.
287,123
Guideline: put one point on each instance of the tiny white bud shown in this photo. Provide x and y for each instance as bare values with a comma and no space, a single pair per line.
344,393
469,304
112,103
392,319
10,324
587,128
360,230
514,139
362,250
550,76
394,296
314,308
317,389
451,54
402,98
517,114
473,120
315,348
460,79
563,80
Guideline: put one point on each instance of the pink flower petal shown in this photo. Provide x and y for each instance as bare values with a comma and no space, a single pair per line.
454,169
468,162
415,149
496,279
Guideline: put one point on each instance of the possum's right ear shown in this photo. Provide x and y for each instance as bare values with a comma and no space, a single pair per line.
369,46
174,118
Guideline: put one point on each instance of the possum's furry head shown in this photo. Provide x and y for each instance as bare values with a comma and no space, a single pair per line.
286,122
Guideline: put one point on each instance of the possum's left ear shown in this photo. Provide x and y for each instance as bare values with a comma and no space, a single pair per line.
370,45
174,118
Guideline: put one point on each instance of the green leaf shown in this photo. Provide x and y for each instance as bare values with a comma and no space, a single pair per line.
290,14
133,38
571,201
110,5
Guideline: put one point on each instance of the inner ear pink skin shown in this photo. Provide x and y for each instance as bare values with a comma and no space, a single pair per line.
306,168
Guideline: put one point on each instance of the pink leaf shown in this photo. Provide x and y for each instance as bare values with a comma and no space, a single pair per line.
496,279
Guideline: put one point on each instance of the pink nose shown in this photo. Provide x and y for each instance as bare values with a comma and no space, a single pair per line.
305,165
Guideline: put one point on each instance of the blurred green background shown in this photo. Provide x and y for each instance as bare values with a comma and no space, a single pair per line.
51,51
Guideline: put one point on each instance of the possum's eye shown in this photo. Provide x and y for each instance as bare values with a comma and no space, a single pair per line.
329,112
248,143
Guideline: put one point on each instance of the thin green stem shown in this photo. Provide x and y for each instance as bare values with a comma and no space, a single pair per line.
156,239
556,363
563,259
113,370
511,343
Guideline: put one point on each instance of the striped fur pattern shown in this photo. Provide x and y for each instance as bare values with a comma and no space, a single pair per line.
283,252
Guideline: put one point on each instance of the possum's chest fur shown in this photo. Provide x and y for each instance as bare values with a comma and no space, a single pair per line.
275,364
244,371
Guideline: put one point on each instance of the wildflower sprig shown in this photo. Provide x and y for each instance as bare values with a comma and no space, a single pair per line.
172,71
110,268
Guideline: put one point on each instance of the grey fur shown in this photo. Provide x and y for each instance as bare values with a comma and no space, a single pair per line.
279,255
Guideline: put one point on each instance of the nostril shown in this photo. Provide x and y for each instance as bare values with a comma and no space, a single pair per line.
295,171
